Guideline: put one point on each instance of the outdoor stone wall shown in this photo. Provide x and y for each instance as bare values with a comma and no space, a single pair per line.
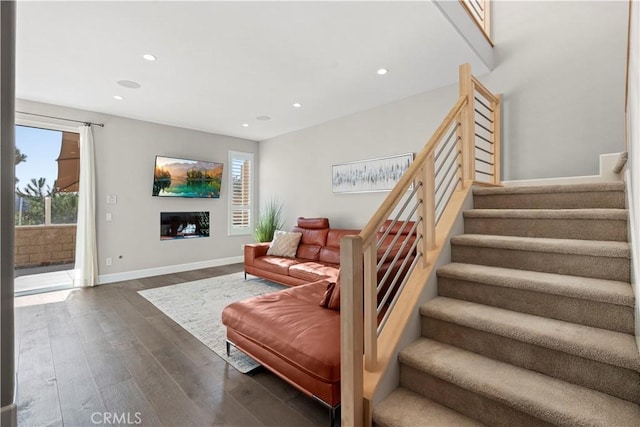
39,245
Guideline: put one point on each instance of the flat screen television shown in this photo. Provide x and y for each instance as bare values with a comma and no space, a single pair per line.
174,177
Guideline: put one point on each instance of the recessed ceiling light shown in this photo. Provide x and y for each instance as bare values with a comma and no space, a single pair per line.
297,105
129,84
245,125
263,118
382,71
149,57
118,97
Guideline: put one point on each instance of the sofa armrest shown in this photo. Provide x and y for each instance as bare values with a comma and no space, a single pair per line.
255,250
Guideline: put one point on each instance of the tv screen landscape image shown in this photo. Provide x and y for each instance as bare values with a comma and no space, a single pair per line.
175,177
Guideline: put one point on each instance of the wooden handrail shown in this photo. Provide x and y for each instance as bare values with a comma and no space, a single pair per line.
379,291
370,230
480,12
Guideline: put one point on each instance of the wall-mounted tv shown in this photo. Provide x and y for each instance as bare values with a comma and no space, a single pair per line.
175,177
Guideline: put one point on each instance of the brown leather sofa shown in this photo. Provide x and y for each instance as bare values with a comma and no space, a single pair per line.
318,255
295,332
289,333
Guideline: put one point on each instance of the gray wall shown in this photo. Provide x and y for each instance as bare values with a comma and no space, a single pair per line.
125,150
560,67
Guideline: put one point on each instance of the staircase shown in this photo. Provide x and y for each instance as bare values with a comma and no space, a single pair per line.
533,323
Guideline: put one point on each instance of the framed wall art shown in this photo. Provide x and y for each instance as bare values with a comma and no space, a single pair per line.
363,176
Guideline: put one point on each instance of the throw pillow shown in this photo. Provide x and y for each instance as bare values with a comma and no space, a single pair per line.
284,244
324,302
331,297
334,300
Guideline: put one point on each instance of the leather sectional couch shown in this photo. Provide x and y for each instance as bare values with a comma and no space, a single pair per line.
295,332
317,257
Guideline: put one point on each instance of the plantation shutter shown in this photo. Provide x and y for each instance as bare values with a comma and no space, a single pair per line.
241,192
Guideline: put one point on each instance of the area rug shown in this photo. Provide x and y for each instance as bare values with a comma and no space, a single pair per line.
197,307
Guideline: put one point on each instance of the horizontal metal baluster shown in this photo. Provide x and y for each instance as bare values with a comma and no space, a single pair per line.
395,220
484,161
393,302
383,259
482,103
475,9
483,138
455,128
453,146
479,112
438,216
483,127
482,149
454,161
395,258
446,188
395,277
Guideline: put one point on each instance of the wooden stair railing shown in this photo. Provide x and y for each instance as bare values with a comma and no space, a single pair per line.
481,14
379,292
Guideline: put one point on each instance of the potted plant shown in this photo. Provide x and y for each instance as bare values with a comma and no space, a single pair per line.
269,220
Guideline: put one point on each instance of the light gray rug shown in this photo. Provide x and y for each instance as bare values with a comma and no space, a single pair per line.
197,307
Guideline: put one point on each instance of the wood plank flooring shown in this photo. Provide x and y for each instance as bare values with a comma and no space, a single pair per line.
106,356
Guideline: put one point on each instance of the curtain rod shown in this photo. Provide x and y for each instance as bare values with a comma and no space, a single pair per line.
62,118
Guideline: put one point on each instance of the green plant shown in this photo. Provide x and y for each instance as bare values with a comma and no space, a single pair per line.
269,220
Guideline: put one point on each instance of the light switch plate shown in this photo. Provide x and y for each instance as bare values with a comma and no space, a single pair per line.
112,199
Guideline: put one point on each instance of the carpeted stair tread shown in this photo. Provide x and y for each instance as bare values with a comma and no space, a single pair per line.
594,214
537,244
601,345
550,189
406,408
549,399
600,290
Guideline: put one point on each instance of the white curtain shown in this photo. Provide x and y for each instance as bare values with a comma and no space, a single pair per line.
86,269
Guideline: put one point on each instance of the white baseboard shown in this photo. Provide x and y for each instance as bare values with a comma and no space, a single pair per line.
158,271
607,163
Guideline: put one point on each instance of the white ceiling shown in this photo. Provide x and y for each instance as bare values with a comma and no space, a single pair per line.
222,64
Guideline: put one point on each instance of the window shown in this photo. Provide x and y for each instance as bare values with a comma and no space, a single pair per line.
47,171
241,194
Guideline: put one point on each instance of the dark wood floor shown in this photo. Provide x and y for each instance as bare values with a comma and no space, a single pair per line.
106,356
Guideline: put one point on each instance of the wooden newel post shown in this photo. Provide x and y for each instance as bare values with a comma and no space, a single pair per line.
351,331
428,209
497,140
468,122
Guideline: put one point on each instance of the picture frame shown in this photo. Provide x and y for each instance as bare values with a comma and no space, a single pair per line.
371,175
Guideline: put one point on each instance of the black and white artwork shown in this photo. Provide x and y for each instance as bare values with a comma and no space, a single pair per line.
370,175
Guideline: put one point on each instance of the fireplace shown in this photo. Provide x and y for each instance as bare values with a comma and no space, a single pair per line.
183,225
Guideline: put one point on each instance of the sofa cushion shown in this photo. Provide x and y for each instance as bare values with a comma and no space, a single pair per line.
290,324
275,264
313,271
331,252
311,223
284,244
308,252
